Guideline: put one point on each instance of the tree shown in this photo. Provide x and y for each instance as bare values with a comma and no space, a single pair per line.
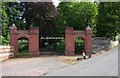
42,15
4,35
77,15
4,19
15,12
10,13
108,19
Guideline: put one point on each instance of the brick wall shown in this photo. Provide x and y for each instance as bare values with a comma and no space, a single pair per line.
6,52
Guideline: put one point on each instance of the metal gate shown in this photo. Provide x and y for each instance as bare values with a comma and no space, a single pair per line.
52,45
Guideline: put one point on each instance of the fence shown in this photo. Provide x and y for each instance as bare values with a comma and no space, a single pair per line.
6,52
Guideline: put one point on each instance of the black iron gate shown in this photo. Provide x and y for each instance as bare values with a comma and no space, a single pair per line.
52,45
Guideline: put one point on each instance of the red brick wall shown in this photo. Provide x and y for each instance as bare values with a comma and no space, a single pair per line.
33,39
70,44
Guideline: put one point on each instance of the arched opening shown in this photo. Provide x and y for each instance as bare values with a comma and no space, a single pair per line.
23,47
79,45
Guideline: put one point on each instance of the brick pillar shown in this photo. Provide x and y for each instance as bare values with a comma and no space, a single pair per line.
34,42
13,40
88,41
69,42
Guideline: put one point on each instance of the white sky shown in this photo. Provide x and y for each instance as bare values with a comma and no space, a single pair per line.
56,2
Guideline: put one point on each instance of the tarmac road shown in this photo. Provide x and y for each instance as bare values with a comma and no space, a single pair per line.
104,65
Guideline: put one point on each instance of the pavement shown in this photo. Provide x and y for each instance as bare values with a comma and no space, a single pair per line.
103,65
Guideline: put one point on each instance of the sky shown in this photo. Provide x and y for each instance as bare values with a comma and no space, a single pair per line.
56,2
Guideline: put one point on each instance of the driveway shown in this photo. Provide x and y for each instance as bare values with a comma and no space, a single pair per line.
36,66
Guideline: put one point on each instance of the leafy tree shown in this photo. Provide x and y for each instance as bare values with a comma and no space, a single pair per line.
15,12
4,35
108,19
40,14
77,15
10,13
4,19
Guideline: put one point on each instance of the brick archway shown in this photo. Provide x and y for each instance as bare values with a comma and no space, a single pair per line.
70,34
33,39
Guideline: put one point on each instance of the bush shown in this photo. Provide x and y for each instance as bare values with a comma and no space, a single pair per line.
22,45
60,46
79,45
4,41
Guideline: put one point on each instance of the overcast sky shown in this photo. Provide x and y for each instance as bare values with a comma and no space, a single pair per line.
56,2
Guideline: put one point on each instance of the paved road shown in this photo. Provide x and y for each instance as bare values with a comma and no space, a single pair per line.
103,65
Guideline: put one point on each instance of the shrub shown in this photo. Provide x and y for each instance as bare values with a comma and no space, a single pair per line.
79,45
22,45
60,46
4,41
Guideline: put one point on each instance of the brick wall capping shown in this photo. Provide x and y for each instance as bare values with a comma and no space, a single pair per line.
34,28
69,28
13,27
88,28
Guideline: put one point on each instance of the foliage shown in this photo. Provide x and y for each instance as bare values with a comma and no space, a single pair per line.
15,12
108,20
4,40
40,14
10,12
23,45
58,46
4,20
117,37
61,46
79,45
77,15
